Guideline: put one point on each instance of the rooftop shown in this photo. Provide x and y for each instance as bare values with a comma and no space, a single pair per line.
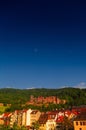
81,116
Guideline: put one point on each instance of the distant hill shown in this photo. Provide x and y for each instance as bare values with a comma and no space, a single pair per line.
74,96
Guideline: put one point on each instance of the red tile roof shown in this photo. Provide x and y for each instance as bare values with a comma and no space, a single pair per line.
6,115
43,118
60,119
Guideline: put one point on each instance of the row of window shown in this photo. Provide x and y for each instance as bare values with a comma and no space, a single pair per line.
81,123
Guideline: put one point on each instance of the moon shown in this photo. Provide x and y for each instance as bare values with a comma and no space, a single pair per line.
35,50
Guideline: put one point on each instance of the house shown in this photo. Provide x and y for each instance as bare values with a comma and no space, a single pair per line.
42,121
6,118
60,118
80,121
50,124
51,121
1,104
47,120
1,120
20,118
34,116
26,117
13,118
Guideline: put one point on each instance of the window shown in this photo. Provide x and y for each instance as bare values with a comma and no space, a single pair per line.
84,123
76,123
80,128
80,123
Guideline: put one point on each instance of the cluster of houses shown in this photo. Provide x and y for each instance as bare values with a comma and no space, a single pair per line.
46,100
47,120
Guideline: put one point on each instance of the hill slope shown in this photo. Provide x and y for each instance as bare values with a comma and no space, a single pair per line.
72,95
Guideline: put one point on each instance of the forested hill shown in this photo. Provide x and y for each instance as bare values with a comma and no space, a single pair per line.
72,95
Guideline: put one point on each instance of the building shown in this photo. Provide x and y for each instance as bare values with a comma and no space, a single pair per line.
34,116
13,118
28,117
42,121
51,121
6,118
20,118
1,120
45,100
80,122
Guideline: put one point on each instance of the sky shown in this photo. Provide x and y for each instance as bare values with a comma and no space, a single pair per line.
42,43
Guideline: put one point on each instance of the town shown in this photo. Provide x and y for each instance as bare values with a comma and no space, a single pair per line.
33,119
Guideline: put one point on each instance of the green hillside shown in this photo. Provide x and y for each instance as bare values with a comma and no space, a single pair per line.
17,97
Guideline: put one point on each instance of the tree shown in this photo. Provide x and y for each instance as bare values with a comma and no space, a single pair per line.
23,128
35,125
67,124
3,127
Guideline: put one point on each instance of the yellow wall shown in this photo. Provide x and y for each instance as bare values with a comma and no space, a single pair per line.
1,122
80,124
42,127
34,117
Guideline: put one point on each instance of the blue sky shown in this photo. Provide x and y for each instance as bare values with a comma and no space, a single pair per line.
42,44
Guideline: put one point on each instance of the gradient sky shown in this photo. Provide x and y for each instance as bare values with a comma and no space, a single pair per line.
42,43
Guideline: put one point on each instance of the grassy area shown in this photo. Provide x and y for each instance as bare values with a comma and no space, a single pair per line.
2,109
